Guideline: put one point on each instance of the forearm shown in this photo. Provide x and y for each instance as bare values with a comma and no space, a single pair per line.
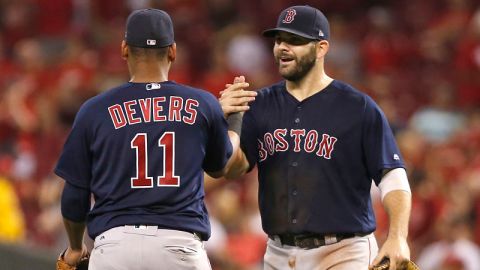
397,204
237,165
75,231
234,101
75,204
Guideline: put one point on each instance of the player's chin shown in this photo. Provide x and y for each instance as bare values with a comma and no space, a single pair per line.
285,67
286,72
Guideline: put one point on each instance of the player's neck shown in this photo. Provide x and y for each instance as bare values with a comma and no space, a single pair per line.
149,72
313,82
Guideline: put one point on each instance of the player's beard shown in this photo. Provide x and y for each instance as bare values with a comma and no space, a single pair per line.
300,69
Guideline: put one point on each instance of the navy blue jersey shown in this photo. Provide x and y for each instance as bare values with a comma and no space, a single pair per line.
317,158
141,149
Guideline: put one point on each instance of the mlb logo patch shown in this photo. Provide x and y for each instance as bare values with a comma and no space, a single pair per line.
151,42
153,86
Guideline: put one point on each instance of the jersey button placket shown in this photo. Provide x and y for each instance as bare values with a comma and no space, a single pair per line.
294,169
292,191
296,120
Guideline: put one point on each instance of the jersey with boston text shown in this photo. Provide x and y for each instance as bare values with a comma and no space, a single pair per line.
141,149
316,158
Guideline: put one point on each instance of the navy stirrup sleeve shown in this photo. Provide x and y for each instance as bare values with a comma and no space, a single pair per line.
75,203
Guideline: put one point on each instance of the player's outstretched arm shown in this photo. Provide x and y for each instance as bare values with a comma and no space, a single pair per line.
238,164
234,101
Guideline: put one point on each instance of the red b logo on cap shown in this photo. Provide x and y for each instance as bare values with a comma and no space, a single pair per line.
290,16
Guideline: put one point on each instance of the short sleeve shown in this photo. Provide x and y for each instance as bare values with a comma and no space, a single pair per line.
248,140
219,147
380,148
75,162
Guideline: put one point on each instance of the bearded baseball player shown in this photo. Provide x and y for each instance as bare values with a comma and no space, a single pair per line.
318,144
141,149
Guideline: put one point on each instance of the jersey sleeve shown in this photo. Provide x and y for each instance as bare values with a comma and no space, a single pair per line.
219,147
380,148
248,139
75,162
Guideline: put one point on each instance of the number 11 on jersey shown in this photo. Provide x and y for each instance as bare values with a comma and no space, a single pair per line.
168,178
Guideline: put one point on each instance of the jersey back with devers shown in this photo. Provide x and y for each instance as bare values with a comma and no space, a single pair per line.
317,157
141,149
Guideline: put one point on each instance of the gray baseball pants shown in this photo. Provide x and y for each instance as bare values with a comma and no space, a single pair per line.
351,253
148,248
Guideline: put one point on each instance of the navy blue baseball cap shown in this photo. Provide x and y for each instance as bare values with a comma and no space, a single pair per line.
149,28
304,21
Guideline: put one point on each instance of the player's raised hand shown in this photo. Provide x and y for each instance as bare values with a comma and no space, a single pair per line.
234,98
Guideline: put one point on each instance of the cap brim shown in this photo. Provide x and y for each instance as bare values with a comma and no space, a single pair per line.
273,31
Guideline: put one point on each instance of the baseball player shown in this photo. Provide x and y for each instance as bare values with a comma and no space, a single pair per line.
318,143
141,149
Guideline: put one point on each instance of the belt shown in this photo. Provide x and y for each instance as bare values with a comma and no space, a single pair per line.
309,241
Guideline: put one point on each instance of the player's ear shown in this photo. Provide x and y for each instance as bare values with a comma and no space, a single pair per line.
124,50
172,52
322,48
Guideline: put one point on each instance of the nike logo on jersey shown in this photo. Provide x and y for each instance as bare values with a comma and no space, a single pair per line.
309,142
148,110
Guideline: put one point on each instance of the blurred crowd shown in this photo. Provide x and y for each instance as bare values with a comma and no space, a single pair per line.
419,60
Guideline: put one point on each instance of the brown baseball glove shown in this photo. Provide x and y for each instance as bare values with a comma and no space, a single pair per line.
385,265
82,265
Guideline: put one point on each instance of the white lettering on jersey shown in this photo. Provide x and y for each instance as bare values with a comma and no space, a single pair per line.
269,143
311,141
282,144
262,153
176,105
152,109
117,115
191,112
278,142
297,134
326,146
